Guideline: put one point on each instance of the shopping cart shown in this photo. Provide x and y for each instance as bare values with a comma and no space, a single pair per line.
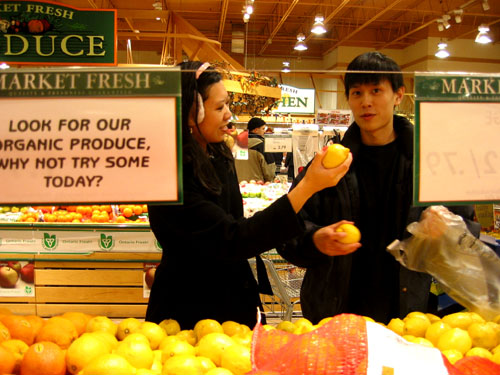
286,280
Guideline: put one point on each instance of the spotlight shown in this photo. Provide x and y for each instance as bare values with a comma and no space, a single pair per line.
157,5
440,24
249,9
318,27
442,52
483,37
300,45
246,17
286,67
446,18
485,5
458,15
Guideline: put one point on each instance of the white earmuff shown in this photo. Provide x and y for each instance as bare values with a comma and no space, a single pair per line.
201,109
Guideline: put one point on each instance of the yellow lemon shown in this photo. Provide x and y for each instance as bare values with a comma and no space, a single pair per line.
435,331
219,371
396,325
236,358
176,348
268,327
83,350
126,327
144,371
303,325
286,326
496,349
108,364
206,363
455,338
458,320
367,318
212,345
496,357
324,321
245,328
453,355
231,328
102,323
483,335
422,341
183,365
432,318
417,314
479,352
170,326
476,318
187,335
106,337
153,332
168,340
137,336
335,155
353,234
496,319
137,353
415,326
205,326
244,339
409,338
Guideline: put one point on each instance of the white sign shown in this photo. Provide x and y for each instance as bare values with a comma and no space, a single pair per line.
278,143
295,100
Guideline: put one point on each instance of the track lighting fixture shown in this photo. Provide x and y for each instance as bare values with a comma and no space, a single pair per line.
300,45
247,10
458,15
286,67
318,27
485,5
483,37
440,24
442,52
446,18
157,5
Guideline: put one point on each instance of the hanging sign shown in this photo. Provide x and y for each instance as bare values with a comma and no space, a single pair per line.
457,158
295,100
48,33
89,135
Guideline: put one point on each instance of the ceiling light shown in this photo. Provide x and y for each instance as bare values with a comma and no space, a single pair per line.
440,24
157,5
442,52
249,9
486,6
300,45
458,15
137,31
446,18
483,37
318,27
246,17
286,67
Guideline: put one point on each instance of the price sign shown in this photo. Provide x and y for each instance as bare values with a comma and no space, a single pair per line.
278,143
457,153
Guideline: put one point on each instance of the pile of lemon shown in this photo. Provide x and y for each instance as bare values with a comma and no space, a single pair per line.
134,347
455,335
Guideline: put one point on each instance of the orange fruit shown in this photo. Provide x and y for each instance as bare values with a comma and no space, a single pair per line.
36,321
18,348
4,333
43,358
59,331
78,319
127,212
7,361
19,328
137,210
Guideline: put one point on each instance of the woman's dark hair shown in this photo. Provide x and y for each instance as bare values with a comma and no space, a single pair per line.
193,153
373,61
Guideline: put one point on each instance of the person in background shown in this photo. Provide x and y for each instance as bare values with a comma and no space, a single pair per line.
256,130
376,195
255,167
206,241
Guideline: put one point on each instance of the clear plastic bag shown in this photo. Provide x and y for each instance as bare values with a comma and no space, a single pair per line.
467,269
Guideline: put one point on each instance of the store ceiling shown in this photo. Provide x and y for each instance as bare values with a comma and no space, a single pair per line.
274,25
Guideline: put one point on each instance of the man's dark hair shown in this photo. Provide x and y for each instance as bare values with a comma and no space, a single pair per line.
255,123
373,61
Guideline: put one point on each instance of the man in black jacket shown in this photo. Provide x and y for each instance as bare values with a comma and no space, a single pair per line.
376,194
256,130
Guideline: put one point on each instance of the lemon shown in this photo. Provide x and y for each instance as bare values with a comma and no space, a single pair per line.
335,155
137,353
496,349
83,350
219,371
137,336
409,338
231,328
458,320
236,358
396,325
153,332
367,318
106,337
170,326
213,344
176,348
417,314
303,325
143,371
268,327
432,318
496,319
108,364
353,234
422,341
324,321
496,357
187,335
245,328
476,318
183,365
453,355
479,352
244,339
102,323
416,326
483,335
455,338
168,340
286,326
206,363
205,326
435,331
127,326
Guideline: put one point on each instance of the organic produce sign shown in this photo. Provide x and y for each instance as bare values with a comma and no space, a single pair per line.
42,32
457,158
85,135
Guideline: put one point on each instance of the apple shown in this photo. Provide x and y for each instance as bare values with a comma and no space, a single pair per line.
28,273
335,155
150,276
242,139
353,234
15,265
8,277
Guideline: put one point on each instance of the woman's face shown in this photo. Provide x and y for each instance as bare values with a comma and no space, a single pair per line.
217,116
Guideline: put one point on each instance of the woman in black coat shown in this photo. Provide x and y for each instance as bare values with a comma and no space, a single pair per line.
206,241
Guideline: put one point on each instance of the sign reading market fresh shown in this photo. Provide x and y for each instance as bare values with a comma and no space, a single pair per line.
48,33
295,100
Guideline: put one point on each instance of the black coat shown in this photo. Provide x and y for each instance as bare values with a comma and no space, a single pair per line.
325,289
204,272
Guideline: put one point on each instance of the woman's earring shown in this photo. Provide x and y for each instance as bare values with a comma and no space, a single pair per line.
191,130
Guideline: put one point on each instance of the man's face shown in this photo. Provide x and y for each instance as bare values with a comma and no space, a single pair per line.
373,108
260,130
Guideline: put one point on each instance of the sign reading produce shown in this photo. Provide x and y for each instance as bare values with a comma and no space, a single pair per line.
457,158
42,32
85,135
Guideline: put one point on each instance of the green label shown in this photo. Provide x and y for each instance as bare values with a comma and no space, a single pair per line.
49,242
106,242
457,88
50,33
